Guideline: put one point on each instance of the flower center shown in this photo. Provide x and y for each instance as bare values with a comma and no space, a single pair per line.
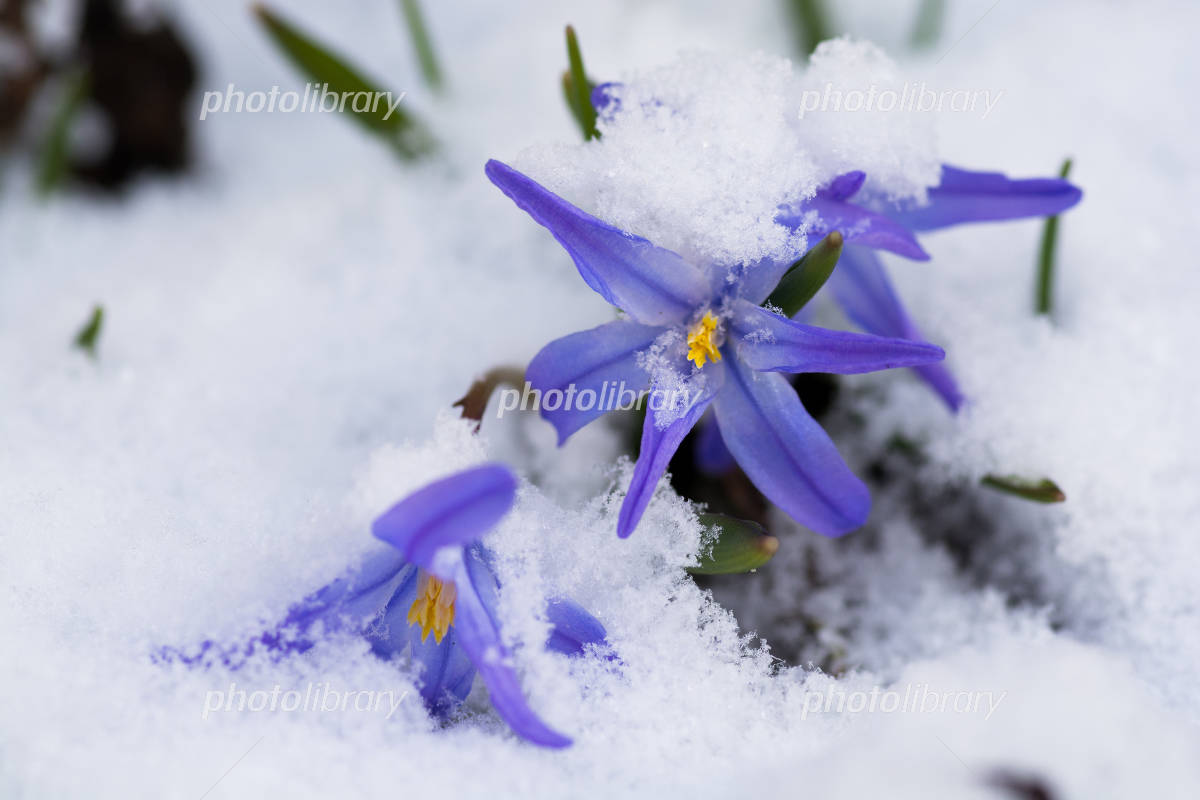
433,609
702,346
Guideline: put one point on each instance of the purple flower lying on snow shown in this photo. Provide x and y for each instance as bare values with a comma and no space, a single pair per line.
696,334
434,594
860,284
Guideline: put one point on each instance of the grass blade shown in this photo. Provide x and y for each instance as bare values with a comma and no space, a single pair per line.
928,28
578,89
1040,490
410,139
430,71
1045,281
810,24
89,335
53,160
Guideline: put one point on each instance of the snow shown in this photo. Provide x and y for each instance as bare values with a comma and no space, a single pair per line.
698,154
286,330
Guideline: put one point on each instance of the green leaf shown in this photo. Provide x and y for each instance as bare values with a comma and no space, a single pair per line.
810,24
1039,490
400,129
928,28
422,44
89,335
578,89
55,154
1045,281
736,546
805,278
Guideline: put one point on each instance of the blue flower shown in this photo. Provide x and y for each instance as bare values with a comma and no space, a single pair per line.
860,284
433,594
701,338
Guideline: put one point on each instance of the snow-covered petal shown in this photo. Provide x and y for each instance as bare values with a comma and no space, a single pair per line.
452,511
572,627
590,360
786,453
967,196
846,185
358,595
865,293
770,342
825,213
479,635
654,285
658,445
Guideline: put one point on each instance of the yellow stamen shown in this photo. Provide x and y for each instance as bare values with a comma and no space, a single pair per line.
433,609
701,347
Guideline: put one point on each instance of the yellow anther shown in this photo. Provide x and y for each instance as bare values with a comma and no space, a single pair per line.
433,609
701,344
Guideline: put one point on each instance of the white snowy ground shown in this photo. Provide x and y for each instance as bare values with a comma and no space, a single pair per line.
287,329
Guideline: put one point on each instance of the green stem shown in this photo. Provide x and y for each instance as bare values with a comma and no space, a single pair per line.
1045,281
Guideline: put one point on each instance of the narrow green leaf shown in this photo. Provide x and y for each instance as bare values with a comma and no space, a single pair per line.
397,127
736,546
810,24
805,278
55,154
928,28
1045,282
422,44
89,335
1039,490
579,89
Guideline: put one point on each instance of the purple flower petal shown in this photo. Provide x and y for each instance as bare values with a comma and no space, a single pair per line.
857,225
655,286
786,453
862,288
658,445
712,456
452,511
356,597
846,185
446,670
443,670
572,628
479,634
601,360
353,602
769,342
965,196
753,282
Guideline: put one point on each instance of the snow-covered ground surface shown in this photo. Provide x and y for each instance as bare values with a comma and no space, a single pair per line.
287,328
